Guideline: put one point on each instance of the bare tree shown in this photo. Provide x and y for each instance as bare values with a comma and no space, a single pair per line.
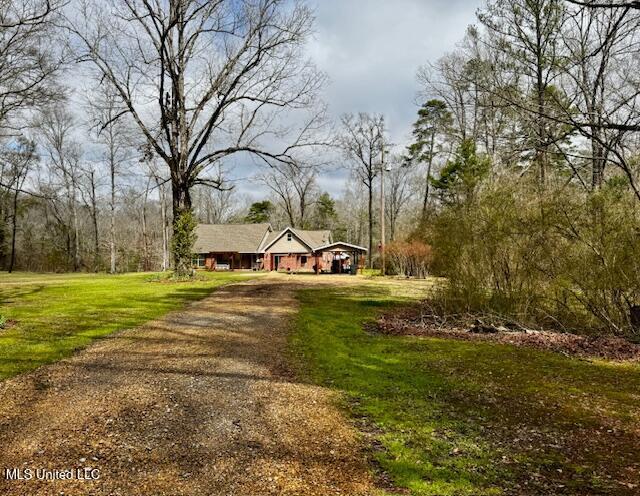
633,4
19,159
165,224
145,241
447,80
362,142
529,32
113,132
352,210
56,126
89,193
600,44
295,187
215,205
161,186
27,63
398,193
204,80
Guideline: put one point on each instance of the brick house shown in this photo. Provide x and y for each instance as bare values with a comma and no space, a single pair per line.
258,247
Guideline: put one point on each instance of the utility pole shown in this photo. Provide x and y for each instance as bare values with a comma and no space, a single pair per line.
382,236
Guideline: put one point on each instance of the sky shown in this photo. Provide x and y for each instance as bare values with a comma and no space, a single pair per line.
371,50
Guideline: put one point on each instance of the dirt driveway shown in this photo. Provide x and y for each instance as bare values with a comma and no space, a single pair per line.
200,402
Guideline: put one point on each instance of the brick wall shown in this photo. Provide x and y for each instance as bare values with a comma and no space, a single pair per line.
293,262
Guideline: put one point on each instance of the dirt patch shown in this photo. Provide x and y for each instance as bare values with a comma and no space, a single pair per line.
423,320
8,324
199,402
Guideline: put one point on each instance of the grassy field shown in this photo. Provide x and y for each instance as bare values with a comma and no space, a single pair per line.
55,314
448,417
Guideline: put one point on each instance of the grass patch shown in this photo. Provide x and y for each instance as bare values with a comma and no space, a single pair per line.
453,417
56,314
371,272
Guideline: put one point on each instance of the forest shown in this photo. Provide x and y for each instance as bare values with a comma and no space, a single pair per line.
518,183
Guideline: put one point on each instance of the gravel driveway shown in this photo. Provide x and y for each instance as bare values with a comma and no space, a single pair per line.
200,402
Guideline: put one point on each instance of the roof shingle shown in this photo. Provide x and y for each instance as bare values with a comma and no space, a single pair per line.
239,238
314,239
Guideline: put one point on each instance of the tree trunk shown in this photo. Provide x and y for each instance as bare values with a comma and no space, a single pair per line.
392,228
425,201
541,152
112,218
165,231
291,215
76,229
3,234
370,206
14,230
302,211
145,243
94,219
597,159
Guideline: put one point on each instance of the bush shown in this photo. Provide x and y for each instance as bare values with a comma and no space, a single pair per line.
565,258
410,259
182,241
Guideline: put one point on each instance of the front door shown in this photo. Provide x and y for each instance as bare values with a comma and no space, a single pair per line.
276,262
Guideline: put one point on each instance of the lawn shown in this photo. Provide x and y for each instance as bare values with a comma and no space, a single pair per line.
450,417
55,314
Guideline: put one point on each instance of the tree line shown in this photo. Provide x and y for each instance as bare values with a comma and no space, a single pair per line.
528,139
114,171
519,183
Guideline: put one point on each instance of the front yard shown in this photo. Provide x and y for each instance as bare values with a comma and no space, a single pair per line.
49,316
451,417
441,416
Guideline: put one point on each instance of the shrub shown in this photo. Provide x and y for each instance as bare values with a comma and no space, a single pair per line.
565,258
409,258
182,241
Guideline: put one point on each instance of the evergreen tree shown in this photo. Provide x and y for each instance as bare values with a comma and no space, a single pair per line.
326,215
459,177
433,119
260,212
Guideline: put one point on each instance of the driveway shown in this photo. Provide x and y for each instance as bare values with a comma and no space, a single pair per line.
201,402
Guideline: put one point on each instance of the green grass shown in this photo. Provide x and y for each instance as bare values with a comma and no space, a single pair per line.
451,417
371,272
56,314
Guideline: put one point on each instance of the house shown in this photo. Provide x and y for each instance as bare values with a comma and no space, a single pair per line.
259,247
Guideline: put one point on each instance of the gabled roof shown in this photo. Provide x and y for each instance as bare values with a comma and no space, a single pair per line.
240,238
270,238
339,244
312,239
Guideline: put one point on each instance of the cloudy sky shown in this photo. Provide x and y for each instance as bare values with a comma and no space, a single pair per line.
371,49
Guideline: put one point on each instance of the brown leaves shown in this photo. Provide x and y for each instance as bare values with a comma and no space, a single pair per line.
424,320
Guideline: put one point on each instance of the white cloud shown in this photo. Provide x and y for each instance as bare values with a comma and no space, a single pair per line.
371,50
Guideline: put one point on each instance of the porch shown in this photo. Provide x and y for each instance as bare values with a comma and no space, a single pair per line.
230,261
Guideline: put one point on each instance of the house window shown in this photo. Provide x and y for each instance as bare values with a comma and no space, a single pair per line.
303,260
198,260
289,236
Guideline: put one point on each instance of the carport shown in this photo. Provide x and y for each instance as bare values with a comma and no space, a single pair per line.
340,258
